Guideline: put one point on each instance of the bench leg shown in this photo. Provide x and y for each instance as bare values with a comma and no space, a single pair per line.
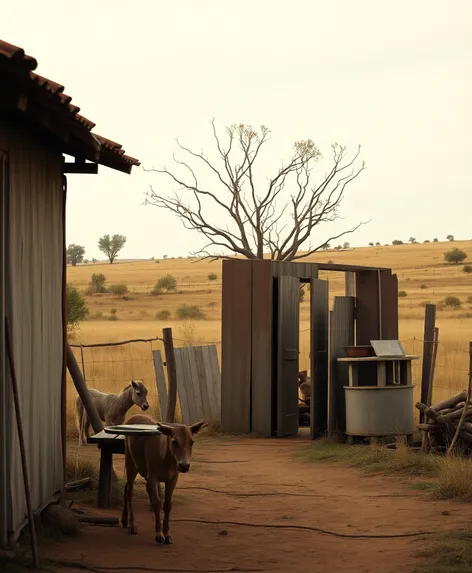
104,480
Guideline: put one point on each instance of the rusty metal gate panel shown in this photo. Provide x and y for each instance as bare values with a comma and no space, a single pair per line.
319,326
389,305
236,346
287,352
367,307
341,335
262,389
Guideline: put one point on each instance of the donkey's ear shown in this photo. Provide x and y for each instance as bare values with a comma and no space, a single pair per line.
165,429
195,428
133,383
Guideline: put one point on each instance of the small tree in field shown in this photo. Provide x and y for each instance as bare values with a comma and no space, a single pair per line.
97,284
111,246
371,244
435,240
450,237
76,308
412,240
397,242
455,256
75,254
167,283
467,269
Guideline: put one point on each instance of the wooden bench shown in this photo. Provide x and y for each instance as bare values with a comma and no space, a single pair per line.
108,444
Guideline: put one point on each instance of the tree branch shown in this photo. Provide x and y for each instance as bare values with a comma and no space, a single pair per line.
256,223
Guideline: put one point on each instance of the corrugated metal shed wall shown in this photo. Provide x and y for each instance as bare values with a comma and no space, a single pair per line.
35,302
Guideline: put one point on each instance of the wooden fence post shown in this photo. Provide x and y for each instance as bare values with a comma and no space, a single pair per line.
428,344
171,374
82,391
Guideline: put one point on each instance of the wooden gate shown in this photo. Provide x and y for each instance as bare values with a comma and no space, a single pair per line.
287,351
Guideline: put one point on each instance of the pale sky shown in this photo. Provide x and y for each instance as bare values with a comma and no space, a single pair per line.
395,77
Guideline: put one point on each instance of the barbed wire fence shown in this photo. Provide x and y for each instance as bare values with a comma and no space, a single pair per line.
110,366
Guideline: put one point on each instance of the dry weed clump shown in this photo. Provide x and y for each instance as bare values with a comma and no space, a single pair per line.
454,478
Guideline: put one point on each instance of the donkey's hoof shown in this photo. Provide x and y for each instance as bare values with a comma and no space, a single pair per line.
169,540
132,530
160,539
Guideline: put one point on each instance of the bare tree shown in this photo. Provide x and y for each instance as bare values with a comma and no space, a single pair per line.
253,221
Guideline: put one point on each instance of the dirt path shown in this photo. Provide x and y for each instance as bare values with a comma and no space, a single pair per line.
330,497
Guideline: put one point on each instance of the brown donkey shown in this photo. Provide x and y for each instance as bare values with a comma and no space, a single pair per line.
157,459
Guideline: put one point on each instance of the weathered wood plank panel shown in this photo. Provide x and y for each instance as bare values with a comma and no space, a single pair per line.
262,386
181,388
236,346
213,380
367,307
195,383
160,383
319,325
204,375
288,347
341,334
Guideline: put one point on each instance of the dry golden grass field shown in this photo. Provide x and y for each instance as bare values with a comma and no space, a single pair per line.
421,270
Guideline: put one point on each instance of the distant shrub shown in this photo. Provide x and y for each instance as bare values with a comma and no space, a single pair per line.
452,302
469,299
465,315
113,311
96,315
119,289
467,269
112,317
76,308
402,294
330,262
455,256
192,312
427,241
212,277
397,242
435,240
423,286
97,284
167,283
163,315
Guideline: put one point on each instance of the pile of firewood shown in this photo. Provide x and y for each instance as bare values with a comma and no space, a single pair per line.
441,422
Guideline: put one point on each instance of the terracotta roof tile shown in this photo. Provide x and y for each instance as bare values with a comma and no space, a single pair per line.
23,65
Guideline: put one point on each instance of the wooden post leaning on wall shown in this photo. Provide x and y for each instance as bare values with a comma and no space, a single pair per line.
171,374
428,345
82,391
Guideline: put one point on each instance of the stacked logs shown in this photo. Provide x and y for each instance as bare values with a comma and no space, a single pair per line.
441,421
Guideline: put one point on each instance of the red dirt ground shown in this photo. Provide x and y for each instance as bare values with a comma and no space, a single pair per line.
332,497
